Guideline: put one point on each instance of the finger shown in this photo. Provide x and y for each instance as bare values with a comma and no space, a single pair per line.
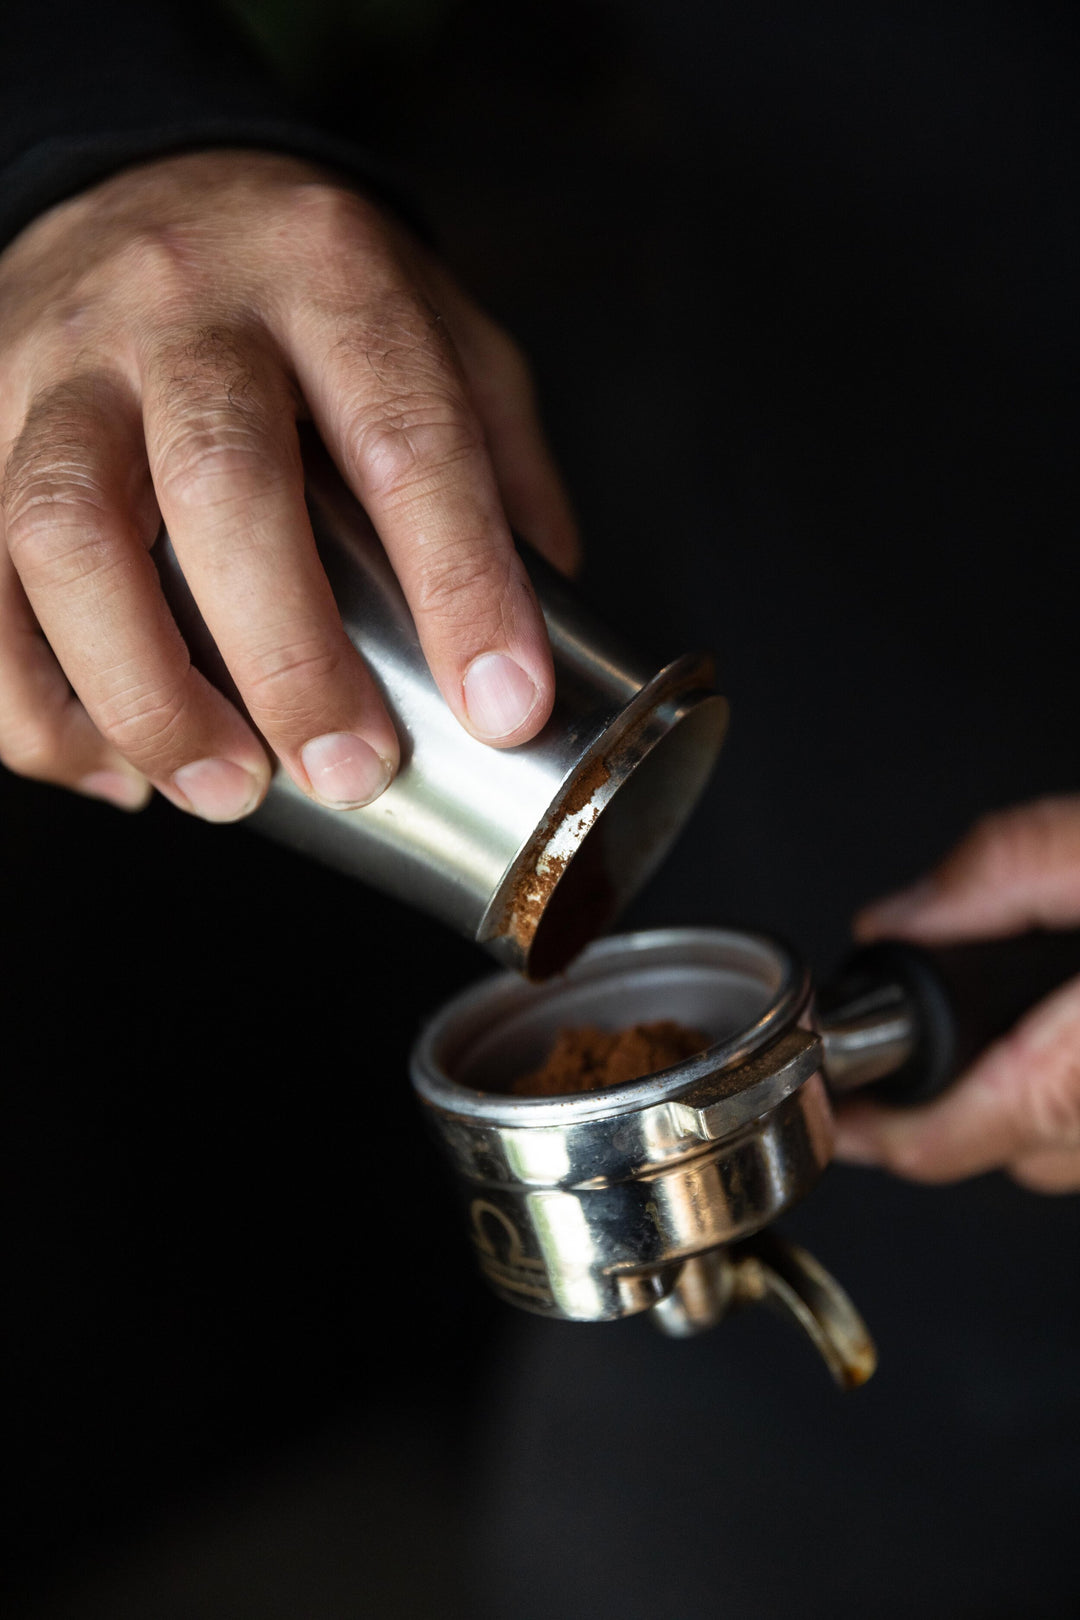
1015,870
1049,1172
225,459
45,733
76,528
1021,1098
500,386
390,402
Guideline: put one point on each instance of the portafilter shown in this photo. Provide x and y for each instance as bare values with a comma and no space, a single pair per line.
659,1195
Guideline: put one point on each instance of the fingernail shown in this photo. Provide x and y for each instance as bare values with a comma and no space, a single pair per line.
499,696
217,789
345,772
126,792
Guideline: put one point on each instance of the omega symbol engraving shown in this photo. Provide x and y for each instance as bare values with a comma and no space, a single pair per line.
502,1254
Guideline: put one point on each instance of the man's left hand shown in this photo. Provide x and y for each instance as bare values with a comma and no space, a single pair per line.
1018,1107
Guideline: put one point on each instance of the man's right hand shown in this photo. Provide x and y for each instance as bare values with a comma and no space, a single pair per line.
160,335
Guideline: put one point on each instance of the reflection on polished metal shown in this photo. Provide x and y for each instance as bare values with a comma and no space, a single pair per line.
704,1291
868,1035
768,1269
486,838
636,1197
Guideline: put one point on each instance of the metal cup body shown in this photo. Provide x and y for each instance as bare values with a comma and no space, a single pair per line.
485,838
587,1207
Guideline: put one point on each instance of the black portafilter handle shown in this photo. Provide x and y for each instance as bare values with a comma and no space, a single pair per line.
955,1000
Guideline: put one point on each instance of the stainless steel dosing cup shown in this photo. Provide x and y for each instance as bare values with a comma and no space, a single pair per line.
531,851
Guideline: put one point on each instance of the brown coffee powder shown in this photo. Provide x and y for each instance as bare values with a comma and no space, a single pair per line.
587,1058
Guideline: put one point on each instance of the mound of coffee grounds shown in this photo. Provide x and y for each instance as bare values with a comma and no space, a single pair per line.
588,1058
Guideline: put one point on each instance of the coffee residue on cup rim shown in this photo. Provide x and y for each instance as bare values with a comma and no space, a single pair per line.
534,885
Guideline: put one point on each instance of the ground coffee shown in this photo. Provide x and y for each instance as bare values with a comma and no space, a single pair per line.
588,1058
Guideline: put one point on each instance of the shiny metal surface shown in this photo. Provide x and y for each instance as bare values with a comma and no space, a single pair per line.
704,1291
489,839
769,1270
744,990
585,1207
781,1274
869,1035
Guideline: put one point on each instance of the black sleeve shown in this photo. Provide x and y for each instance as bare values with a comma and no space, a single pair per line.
88,88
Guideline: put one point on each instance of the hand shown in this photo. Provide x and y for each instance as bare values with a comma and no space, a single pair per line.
1018,1107
159,337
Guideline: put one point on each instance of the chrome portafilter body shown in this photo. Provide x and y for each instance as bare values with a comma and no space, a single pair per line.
642,1196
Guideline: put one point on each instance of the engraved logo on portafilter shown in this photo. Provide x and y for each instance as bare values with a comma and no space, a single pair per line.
502,1254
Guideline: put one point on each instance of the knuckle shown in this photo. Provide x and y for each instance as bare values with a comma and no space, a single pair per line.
55,510
992,845
335,216
217,441
907,1156
404,395
286,682
1052,827
1006,846
1052,1101
989,857
145,719
403,341
58,536
31,749
392,333
153,262
212,361
213,458
410,445
462,585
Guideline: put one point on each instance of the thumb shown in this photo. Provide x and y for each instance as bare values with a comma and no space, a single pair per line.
1018,1102
1015,869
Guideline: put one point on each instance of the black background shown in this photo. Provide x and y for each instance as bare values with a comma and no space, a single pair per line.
800,287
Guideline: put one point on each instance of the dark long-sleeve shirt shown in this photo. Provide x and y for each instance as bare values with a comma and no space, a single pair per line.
87,90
